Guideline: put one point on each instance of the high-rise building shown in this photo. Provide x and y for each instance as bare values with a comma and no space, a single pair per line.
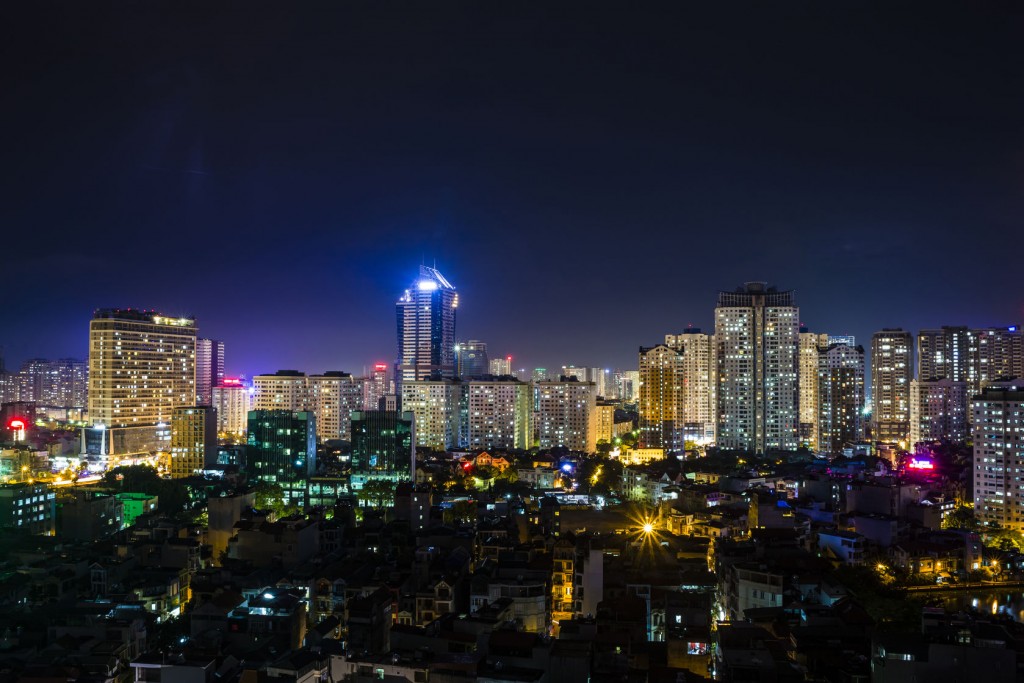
233,401
563,410
539,375
699,386
756,337
629,385
209,369
332,396
471,359
376,387
141,367
500,367
437,406
892,368
976,357
426,328
62,382
604,422
573,371
193,440
383,446
282,450
498,415
938,410
809,344
998,436
661,398
840,397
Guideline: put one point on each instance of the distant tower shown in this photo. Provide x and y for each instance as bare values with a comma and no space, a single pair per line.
426,328
892,369
471,359
209,369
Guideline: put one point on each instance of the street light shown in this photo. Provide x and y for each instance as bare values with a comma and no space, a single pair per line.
648,528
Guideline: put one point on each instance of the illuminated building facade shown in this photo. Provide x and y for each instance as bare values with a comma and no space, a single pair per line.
809,343
840,397
699,386
437,406
376,387
471,359
756,338
281,449
661,398
141,367
563,410
383,446
233,401
62,382
500,367
938,410
604,422
892,369
976,357
193,440
28,508
998,436
209,369
498,414
426,328
332,396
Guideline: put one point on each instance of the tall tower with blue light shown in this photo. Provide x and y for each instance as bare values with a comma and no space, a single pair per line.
426,328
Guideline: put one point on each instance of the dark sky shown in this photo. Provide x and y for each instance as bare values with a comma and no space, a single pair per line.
588,175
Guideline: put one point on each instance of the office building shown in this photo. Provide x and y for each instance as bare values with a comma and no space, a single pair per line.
698,385
281,449
232,401
998,435
938,410
562,413
471,359
383,446
539,375
498,415
661,398
193,440
756,338
840,397
209,369
808,346
426,328
437,406
500,367
892,369
141,367
332,396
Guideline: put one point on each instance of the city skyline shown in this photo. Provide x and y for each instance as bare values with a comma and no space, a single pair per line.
696,141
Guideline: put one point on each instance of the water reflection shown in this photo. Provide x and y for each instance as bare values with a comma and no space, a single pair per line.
1006,603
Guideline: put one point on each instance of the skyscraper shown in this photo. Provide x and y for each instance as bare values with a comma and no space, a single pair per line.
938,410
332,396
756,337
999,454
62,382
840,396
563,410
699,386
209,368
498,414
973,356
809,344
892,368
426,328
376,387
500,367
471,359
141,367
232,402
661,398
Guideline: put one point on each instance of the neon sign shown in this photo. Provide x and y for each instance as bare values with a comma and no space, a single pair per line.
921,464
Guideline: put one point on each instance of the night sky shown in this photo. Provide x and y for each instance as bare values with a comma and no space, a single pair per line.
587,175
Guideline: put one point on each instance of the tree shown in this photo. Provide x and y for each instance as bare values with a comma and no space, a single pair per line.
377,493
962,517
461,511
